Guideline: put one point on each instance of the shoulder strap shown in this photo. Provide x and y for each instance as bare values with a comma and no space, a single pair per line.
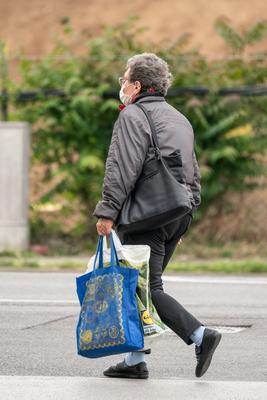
153,130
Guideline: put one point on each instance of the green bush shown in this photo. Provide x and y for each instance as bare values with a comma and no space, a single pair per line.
71,133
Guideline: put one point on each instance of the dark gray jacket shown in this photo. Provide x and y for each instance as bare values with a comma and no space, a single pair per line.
131,138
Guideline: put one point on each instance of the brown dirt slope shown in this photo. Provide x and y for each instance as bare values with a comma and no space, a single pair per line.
31,24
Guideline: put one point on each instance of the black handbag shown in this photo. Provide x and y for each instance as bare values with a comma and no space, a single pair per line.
160,194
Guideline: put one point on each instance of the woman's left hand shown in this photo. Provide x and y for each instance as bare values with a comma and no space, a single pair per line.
104,226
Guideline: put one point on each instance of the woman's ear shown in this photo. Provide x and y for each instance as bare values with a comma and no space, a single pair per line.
138,86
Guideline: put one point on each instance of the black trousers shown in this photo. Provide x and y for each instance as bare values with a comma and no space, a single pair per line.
163,242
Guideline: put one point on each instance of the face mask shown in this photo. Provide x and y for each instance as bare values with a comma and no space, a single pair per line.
125,98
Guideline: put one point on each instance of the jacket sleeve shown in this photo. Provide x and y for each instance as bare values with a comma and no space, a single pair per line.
124,163
196,186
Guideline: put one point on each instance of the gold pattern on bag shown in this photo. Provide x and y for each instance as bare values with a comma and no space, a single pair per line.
87,336
113,332
95,295
101,306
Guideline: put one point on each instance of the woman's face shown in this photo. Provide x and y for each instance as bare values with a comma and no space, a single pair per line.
130,88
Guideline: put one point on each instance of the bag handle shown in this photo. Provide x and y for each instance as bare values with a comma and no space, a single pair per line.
99,251
116,240
114,261
153,130
113,252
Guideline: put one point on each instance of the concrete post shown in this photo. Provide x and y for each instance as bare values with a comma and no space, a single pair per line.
14,185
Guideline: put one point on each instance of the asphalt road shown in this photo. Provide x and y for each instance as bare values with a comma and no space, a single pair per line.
39,312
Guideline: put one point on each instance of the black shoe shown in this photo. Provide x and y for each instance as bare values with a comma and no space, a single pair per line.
122,370
204,352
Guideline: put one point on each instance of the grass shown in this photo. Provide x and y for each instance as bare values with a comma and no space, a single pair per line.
191,257
19,263
226,266
219,266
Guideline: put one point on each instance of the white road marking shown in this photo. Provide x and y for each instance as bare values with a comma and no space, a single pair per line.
237,281
168,278
38,301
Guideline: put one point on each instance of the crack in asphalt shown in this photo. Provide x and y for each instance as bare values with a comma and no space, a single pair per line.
51,321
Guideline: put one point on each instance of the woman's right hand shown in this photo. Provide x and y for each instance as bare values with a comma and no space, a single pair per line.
180,241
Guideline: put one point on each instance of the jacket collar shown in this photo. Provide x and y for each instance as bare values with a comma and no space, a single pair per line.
149,97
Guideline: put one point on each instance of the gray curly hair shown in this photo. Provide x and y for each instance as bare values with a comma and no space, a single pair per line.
151,71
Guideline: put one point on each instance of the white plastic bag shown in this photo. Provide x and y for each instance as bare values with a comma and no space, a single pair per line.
136,256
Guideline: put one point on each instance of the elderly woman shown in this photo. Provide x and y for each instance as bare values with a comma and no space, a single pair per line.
146,80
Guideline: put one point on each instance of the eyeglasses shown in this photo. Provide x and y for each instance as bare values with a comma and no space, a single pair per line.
122,80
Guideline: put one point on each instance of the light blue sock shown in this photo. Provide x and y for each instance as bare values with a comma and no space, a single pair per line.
197,335
135,357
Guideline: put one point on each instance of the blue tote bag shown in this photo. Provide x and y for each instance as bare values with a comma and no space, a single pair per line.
109,321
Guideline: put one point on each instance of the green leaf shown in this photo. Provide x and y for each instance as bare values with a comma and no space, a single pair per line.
231,37
224,124
227,152
256,33
90,161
